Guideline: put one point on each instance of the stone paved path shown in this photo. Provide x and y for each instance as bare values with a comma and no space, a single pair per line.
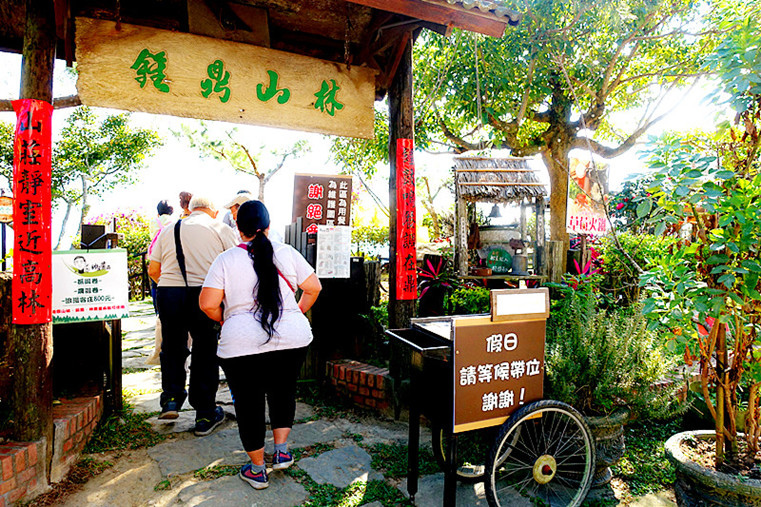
166,474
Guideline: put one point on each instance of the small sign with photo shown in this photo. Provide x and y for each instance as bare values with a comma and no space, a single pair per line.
90,285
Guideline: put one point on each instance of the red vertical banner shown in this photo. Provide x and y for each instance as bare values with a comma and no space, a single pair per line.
32,150
406,260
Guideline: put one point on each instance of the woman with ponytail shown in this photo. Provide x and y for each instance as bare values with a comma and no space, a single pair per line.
264,338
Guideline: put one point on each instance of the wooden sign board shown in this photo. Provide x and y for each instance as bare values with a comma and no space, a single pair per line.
498,368
322,200
520,304
157,71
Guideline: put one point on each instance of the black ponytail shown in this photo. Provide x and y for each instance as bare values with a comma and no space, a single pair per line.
253,219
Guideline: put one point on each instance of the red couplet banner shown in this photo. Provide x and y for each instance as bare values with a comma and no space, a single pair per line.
406,266
32,149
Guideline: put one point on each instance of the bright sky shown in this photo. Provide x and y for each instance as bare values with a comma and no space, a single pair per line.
176,167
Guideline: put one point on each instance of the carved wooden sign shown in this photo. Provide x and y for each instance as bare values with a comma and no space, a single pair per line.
157,71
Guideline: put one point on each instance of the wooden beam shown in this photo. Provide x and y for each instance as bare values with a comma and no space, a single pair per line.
471,20
390,72
58,103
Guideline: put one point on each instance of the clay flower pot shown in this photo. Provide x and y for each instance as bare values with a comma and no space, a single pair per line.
697,485
608,432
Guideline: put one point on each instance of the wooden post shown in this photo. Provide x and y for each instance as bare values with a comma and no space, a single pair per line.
32,345
540,260
556,261
400,119
460,232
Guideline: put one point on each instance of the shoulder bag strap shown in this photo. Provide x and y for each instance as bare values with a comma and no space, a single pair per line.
180,253
244,247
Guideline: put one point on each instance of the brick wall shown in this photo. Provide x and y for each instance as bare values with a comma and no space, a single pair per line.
23,471
74,421
366,385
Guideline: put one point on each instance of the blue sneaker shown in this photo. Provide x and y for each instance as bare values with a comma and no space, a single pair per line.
170,410
282,460
256,480
205,426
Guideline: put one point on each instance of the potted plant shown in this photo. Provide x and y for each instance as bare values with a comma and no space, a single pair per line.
706,294
436,281
605,364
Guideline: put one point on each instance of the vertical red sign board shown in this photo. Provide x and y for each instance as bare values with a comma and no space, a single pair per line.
406,266
32,281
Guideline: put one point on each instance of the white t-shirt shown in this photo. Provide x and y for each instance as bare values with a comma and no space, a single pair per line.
242,333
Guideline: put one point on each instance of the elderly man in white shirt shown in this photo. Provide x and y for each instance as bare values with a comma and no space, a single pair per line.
180,267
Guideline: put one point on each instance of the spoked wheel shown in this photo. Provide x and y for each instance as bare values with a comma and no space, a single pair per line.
544,453
472,450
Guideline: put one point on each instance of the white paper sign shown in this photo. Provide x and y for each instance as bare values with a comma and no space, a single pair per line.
90,285
333,251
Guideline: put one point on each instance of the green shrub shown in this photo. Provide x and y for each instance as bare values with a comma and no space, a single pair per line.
601,360
620,279
136,230
467,300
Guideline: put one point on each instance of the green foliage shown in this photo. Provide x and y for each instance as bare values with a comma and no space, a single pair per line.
136,230
362,156
127,430
357,493
369,240
706,296
391,460
240,155
91,156
598,360
619,278
468,300
631,207
375,344
644,467
213,472
163,485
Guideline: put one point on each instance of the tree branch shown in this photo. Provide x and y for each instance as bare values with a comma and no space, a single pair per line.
584,143
460,143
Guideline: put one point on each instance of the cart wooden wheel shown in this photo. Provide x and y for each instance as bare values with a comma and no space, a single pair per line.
545,454
472,449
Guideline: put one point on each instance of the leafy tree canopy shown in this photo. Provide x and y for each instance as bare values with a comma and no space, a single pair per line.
239,154
90,157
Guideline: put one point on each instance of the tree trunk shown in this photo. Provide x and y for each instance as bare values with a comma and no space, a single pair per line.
63,225
262,183
85,206
556,159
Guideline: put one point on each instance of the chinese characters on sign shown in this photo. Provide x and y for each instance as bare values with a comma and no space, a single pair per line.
220,80
498,367
31,212
90,285
322,200
217,82
587,192
406,259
